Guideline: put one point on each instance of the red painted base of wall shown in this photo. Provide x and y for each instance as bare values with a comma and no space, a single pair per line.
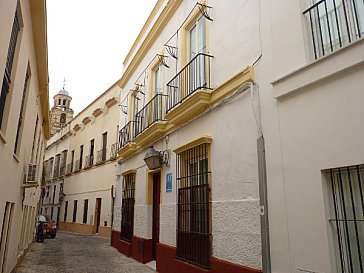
139,249
167,263
121,245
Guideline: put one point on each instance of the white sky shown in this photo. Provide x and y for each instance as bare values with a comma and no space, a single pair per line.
87,43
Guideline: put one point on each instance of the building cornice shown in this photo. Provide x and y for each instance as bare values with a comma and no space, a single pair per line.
39,26
166,14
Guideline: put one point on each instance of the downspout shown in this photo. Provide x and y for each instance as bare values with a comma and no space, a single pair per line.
262,172
112,212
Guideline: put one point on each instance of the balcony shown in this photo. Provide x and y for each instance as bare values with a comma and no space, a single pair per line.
150,121
69,168
189,92
114,151
89,161
101,156
126,139
334,24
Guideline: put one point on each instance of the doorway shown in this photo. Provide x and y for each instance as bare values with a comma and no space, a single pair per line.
156,212
97,215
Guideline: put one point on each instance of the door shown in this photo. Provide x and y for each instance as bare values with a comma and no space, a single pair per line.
156,203
97,215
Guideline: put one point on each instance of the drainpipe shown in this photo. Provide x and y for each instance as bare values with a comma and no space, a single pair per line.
112,212
262,172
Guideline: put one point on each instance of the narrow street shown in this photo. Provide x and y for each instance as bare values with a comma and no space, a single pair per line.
77,253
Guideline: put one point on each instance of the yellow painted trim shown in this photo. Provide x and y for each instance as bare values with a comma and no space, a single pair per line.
129,172
143,30
191,107
228,87
193,143
149,186
149,40
39,26
151,135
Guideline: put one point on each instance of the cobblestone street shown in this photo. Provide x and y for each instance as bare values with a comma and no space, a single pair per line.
77,253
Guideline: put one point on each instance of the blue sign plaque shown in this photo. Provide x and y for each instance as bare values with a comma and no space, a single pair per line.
169,182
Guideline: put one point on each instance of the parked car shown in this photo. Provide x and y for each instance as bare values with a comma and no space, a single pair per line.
49,227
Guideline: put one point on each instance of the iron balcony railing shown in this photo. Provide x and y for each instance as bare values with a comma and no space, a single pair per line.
333,24
114,151
101,156
150,113
69,168
126,134
78,165
89,161
194,76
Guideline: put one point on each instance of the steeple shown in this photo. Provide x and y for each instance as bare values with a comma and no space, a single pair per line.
61,112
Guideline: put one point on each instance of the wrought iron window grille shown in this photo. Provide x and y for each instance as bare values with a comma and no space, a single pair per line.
333,24
347,202
194,207
127,208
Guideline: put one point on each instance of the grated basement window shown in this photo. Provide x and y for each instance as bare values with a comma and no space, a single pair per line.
348,204
193,215
127,207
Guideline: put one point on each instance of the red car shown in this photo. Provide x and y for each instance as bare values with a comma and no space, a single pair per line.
49,226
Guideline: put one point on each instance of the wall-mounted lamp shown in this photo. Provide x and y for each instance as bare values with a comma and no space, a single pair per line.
154,159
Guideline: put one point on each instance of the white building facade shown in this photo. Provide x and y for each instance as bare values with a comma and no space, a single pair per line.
189,96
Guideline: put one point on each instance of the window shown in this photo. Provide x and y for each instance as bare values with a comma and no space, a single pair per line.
64,102
127,207
347,204
65,211
334,24
158,79
197,38
34,135
92,148
196,49
54,193
56,166
62,118
59,101
85,210
193,207
74,211
9,65
104,145
22,112
81,156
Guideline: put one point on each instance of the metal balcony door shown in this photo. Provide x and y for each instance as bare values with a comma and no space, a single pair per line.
156,212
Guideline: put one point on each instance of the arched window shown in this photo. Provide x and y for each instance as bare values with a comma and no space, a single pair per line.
63,118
